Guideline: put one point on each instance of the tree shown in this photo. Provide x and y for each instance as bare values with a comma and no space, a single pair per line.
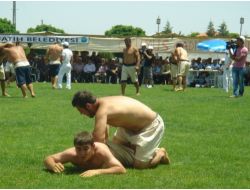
193,34
45,27
223,31
6,26
167,29
123,31
210,29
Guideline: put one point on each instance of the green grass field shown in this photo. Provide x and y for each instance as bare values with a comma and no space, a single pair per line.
207,137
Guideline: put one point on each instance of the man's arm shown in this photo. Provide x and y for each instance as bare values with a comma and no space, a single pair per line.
110,165
55,162
100,130
138,60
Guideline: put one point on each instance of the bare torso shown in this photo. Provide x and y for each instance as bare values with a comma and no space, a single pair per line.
130,55
181,54
54,52
125,112
15,54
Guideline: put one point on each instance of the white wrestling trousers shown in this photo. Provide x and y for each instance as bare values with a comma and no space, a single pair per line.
227,79
65,69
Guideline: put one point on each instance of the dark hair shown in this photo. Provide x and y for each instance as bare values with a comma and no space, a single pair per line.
179,44
127,39
83,138
81,98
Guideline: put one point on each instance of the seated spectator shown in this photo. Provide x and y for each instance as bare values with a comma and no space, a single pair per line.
77,69
215,65
112,71
165,72
202,65
89,70
101,72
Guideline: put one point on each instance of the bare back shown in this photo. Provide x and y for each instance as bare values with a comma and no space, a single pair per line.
122,111
54,52
15,54
181,54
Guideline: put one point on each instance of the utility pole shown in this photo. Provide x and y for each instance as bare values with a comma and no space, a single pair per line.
14,14
241,23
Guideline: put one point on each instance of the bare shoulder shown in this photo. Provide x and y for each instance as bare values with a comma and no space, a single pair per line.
101,149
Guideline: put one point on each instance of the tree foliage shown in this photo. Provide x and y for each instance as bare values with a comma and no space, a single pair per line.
210,29
167,29
223,31
193,34
124,31
6,26
45,27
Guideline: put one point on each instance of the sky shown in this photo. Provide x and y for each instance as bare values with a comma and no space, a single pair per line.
96,17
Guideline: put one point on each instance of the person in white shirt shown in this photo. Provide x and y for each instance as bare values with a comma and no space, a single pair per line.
89,71
227,72
66,59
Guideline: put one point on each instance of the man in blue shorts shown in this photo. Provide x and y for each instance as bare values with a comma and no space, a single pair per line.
53,56
16,55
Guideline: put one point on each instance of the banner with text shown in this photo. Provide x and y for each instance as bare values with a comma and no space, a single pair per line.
43,39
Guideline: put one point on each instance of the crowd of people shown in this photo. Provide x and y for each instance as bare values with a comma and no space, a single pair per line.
151,69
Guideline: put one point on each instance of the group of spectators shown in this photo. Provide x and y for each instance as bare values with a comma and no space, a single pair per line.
92,68
205,77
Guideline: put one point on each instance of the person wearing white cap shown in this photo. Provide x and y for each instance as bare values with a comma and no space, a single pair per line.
66,58
52,57
239,57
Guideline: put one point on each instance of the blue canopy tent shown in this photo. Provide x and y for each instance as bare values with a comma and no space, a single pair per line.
214,45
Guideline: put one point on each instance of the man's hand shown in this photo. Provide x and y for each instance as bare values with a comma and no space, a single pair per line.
137,68
89,173
58,167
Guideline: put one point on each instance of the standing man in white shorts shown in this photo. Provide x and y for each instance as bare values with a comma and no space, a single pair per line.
131,66
66,59
2,75
138,126
181,56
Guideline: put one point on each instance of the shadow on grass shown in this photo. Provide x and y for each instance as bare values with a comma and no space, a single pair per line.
68,170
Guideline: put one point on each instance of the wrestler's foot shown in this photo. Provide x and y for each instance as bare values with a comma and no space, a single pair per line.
6,95
33,95
165,159
161,156
25,96
54,87
138,94
179,89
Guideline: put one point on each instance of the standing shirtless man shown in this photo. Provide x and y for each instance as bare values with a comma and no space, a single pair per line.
181,57
16,55
131,66
53,56
138,126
